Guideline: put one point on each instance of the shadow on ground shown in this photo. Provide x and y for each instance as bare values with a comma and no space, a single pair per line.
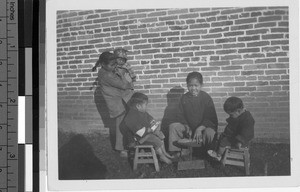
91,157
78,161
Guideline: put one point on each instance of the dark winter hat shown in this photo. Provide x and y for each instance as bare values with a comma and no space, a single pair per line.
121,53
106,56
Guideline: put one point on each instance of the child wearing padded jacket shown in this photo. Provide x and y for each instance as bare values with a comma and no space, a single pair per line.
239,130
140,124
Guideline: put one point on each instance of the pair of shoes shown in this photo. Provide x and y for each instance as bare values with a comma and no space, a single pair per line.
214,155
124,154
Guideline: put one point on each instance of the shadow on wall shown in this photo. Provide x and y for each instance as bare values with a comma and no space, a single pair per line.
171,110
104,114
76,160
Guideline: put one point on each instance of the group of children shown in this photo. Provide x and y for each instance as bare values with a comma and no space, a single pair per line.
196,117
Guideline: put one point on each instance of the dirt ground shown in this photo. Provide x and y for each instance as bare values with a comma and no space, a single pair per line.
91,157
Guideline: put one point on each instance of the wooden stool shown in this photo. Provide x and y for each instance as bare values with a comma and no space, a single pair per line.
237,157
145,154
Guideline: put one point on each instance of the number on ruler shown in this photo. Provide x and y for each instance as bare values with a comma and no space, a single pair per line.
0,127
12,100
0,170
1,105
0,148
0,42
0,62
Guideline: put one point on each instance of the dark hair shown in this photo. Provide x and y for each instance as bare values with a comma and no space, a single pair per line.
232,104
104,59
138,98
194,75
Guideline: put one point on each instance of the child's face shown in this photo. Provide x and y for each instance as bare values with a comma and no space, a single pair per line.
111,66
236,113
194,86
142,107
121,61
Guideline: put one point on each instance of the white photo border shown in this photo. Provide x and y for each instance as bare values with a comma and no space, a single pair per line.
52,6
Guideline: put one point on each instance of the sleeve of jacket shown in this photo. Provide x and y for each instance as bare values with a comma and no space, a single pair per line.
117,82
246,132
180,113
210,116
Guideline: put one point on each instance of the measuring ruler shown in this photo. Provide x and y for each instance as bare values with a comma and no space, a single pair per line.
9,54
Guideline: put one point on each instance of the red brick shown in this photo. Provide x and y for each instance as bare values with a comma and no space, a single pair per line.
168,50
231,68
252,73
269,88
162,55
269,60
222,89
148,51
210,68
203,42
277,54
272,72
200,53
158,45
143,46
173,60
156,40
219,63
158,29
243,21
261,94
225,40
157,14
241,27
178,65
139,57
178,27
182,43
193,48
228,51
166,18
272,36
270,18
209,47
231,11
248,50
228,73
236,33
249,38
211,13
231,57
221,79
199,9
159,66
210,36
253,67
268,24
233,45
201,25
221,23
245,89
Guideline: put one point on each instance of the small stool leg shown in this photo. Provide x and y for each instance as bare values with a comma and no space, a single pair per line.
135,161
155,159
247,162
191,153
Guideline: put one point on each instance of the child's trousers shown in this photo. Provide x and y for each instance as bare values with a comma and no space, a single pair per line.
176,132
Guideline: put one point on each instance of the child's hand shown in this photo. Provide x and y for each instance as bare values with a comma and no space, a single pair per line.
198,134
127,77
239,145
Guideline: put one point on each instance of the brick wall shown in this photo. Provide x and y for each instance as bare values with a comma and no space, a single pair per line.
241,52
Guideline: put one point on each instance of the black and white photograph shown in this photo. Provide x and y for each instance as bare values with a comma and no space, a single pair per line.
163,94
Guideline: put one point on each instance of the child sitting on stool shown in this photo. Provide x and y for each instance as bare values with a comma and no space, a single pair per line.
239,130
144,128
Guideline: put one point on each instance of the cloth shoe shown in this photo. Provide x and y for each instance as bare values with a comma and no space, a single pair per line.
123,154
214,155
